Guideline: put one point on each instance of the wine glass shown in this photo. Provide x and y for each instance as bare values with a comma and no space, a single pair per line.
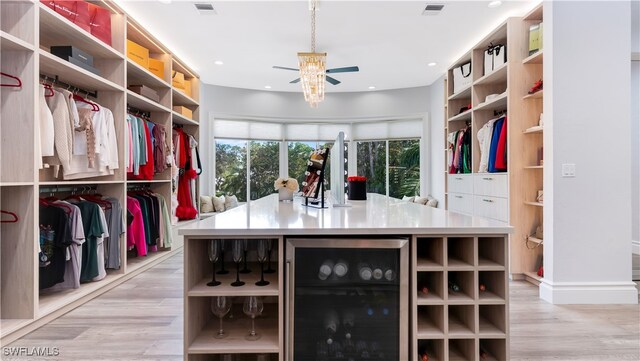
222,247
237,258
220,306
262,257
245,247
214,255
252,307
269,249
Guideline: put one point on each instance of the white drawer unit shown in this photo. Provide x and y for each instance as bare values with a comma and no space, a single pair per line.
491,207
488,184
460,202
461,183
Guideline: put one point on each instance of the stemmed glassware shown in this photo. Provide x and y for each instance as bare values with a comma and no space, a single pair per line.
222,246
237,258
245,247
269,248
252,307
262,257
220,306
214,255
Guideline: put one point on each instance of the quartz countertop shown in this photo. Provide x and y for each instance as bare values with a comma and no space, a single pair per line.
377,215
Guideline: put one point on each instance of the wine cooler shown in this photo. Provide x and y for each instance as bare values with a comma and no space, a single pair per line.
347,299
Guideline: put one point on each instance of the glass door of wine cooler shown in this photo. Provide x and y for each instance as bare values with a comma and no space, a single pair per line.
347,299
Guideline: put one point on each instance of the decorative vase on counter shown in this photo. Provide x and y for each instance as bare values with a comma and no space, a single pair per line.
285,194
286,187
357,188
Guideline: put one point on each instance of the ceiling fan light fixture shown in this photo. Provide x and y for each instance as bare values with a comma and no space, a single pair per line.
313,67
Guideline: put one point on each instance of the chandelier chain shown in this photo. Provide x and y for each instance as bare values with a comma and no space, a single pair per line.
313,26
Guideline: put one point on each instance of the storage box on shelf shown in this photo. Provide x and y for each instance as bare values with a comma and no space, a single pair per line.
201,324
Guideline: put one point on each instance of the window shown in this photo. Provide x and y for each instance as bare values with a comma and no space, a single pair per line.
299,153
372,164
404,168
264,167
231,168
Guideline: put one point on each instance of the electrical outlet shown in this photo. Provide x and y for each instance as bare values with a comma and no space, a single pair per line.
568,170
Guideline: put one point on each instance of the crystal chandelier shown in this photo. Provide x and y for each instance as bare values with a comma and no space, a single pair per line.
313,67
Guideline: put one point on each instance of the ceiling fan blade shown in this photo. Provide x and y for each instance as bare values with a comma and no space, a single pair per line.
294,81
332,80
284,68
348,69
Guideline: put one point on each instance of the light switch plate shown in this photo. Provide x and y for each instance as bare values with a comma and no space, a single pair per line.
568,170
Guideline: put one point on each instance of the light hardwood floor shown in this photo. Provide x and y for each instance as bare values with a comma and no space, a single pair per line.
142,320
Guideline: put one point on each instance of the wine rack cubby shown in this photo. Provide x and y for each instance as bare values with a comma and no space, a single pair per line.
492,349
461,287
460,253
434,349
462,350
431,288
430,254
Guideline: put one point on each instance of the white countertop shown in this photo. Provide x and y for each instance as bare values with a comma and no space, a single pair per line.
378,215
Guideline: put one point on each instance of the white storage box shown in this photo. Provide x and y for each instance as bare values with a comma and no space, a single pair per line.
461,77
494,57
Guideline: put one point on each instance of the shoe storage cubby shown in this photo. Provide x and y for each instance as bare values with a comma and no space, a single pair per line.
460,287
492,320
430,254
469,314
460,253
492,253
431,288
492,286
430,322
462,350
492,349
201,325
434,349
461,320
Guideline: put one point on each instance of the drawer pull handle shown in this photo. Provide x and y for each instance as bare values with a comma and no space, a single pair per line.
487,200
459,197
457,178
487,178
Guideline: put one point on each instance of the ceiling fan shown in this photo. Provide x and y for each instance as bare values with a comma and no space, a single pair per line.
333,81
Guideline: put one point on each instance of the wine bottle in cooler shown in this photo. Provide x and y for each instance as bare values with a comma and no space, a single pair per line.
341,268
364,271
348,321
331,321
362,349
326,268
377,273
389,274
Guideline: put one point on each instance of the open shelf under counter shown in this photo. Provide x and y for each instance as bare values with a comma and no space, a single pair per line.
464,93
137,75
53,66
497,103
536,95
424,264
466,115
427,329
429,299
248,289
534,130
267,328
488,329
181,119
496,76
489,298
180,98
459,298
56,29
489,265
140,102
9,42
535,58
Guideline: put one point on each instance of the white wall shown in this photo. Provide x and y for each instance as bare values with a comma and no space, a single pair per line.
587,108
635,124
436,112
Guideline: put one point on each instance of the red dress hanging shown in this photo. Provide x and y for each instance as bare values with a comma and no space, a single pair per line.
185,209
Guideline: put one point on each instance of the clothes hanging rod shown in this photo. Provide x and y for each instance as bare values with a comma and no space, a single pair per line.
137,112
57,189
69,87
139,186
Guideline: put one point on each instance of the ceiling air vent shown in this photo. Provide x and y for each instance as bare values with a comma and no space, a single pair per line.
205,8
432,9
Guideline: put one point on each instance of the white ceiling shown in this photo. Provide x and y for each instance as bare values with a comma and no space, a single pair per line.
391,41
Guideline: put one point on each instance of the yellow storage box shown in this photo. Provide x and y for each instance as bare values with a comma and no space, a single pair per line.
156,67
138,54
177,80
187,88
184,111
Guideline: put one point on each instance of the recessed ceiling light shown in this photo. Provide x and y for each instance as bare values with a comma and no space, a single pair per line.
372,88
495,4
432,64
267,86
218,62
165,1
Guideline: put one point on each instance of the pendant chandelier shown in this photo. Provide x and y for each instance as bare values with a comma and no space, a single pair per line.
313,67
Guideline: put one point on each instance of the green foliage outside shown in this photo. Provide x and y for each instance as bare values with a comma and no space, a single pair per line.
231,168
265,167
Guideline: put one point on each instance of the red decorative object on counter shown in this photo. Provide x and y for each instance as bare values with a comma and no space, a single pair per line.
357,188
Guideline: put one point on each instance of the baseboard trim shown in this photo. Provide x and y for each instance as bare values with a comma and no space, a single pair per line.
588,293
635,247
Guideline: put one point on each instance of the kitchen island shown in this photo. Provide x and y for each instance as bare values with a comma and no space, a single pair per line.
435,281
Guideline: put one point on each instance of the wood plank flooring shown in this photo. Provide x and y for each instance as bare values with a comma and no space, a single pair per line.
141,320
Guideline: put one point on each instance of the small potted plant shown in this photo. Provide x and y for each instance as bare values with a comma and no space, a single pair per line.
357,188
286,187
